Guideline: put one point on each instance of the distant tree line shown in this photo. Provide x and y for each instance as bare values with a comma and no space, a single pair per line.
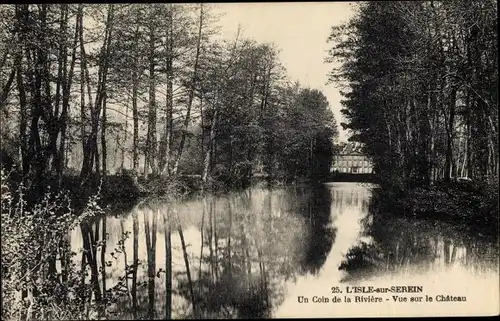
422,79
152,89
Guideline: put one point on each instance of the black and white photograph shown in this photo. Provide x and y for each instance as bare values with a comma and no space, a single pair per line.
249,160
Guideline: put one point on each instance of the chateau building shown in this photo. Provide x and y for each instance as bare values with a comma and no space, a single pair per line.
350,159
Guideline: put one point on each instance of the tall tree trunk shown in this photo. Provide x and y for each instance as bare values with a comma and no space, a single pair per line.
21,16
83,118
135,115
66,90
87,138
102,94
211,148
91,155
62,62
151,135
135,95
192,88
449,163
124,142
103,138
168,135
208,155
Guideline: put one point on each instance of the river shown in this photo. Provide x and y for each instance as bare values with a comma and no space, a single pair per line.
264,249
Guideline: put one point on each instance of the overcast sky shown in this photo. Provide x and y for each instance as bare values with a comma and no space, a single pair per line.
300,31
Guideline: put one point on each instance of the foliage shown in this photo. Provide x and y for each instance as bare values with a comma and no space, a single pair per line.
420,92
394,242
463,202
148,88
468,203
32,240
305,132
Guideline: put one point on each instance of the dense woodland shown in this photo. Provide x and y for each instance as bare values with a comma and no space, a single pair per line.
421,88
152,90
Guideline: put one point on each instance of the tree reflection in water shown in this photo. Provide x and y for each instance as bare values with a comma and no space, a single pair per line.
263,239
234,255
401,245
321,234
230,255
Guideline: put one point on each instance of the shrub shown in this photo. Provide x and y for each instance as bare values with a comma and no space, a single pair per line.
32,237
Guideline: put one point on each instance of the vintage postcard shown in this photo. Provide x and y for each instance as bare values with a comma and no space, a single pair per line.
249,160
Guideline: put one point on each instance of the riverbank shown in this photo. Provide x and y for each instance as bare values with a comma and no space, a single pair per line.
126,188
120,192
465,203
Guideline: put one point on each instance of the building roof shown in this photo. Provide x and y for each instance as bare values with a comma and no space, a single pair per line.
351,148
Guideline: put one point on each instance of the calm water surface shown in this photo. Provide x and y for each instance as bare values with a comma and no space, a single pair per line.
253,253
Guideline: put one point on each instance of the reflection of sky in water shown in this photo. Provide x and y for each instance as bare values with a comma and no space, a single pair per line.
304,235
451,271
255,214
